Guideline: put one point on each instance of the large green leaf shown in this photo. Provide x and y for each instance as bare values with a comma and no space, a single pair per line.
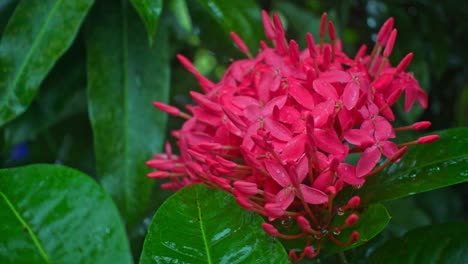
445,243
38,33
423,168
202,225
242,17
53,214
62,95
125,76
371,222
149,11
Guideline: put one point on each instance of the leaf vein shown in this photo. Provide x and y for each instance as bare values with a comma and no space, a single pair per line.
26,225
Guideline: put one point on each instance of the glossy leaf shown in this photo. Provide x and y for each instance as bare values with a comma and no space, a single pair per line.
202,225
372,221
242,17
445,243
423,168
124,77
54,214
38,33
150,12
61,96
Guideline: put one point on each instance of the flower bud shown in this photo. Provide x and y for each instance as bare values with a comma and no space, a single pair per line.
351,220
353,202
309,252
303,223
427,139
270,229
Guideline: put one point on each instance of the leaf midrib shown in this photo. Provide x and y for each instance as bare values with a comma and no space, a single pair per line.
23,222
202,229
34,45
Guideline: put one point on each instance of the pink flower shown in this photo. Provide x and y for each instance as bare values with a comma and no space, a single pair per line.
276,131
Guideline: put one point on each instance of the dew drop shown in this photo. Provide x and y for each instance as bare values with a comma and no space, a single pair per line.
324,232
358,186
340,211
288,222
336,231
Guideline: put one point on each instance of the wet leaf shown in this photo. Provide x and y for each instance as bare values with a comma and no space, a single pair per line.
423,168
445,243
54,214
125,76
242,17
372,221
150,12
37,34
202,225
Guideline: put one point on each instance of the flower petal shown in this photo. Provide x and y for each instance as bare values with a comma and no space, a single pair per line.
367,162
312,195
277,172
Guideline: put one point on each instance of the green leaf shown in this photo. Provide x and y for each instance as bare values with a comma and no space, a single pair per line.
445,243
242,17
150,12
423,168
62,95
54,214
124,77
202,225
371,222
38,33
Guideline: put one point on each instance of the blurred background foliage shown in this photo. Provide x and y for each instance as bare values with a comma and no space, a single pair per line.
56,127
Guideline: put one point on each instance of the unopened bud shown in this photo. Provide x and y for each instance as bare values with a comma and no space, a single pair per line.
352,219
309,252
421,125
354,236
270,229
354,202
404,63
158,174
292,256
427,139
303,223
248,188
331,190
244,202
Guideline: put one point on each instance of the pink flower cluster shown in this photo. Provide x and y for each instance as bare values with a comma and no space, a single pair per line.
277,129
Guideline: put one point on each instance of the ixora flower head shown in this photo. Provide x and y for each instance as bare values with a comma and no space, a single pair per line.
276,131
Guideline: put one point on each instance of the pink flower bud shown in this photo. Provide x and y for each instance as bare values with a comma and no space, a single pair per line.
427,139
244,202
309,252
248,188
303,223
331,31
270,229
390,43
354,236
240,43
268,26
351,219
384,31
167,108
323,24
158,174
421,125
404,63
353,202
331,190
311,45
292,256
